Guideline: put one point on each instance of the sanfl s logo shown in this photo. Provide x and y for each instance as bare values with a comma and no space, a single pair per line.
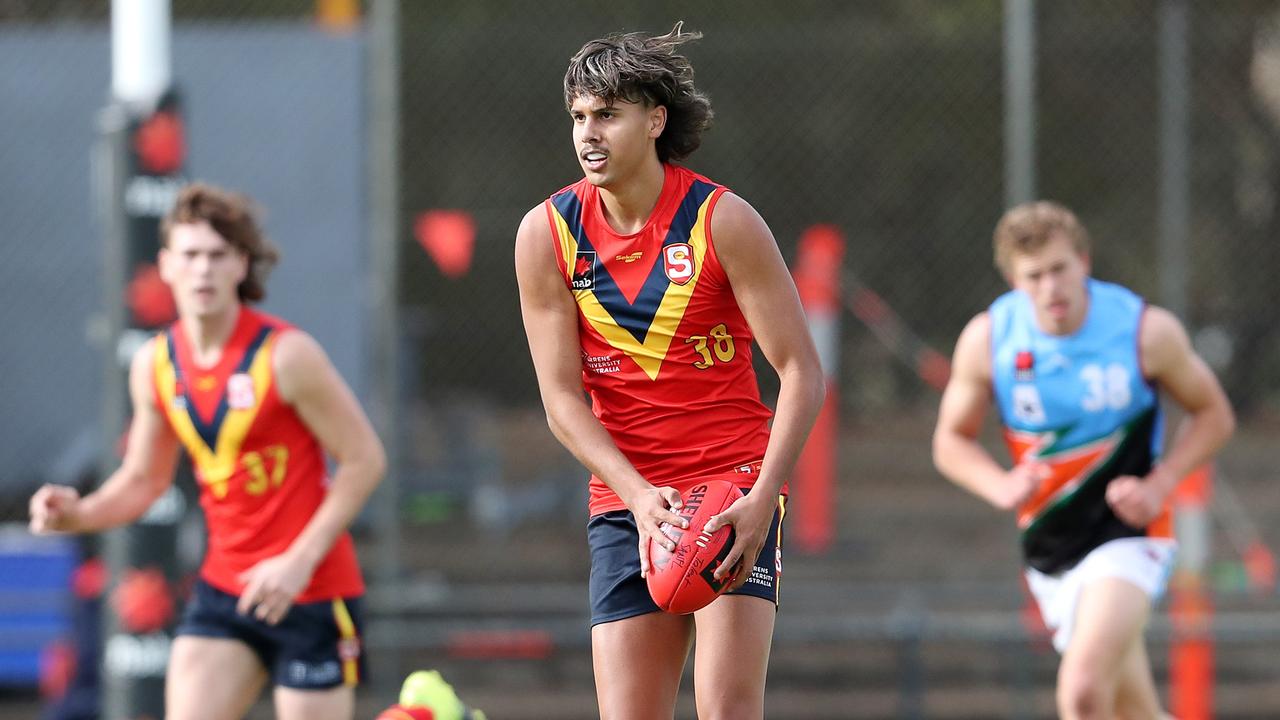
677,260
240,392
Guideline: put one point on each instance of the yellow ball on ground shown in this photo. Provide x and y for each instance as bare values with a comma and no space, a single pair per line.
426,688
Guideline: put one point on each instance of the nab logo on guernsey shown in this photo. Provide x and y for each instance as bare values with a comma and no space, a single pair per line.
677,260
584,271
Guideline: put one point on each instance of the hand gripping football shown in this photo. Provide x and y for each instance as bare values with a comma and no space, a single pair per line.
683,581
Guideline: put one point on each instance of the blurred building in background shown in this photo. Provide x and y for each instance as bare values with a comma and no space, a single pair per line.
885,120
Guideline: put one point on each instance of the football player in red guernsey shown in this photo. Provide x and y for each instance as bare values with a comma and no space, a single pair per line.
257,404
646,283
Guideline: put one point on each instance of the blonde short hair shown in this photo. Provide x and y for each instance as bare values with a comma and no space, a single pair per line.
1028,227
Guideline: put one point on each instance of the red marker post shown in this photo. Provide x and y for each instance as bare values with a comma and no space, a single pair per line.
1191,652
817,276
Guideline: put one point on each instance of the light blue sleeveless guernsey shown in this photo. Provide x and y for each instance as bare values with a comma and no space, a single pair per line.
1080,404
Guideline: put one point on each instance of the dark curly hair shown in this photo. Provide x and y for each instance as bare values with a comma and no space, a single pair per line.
234,217
640,68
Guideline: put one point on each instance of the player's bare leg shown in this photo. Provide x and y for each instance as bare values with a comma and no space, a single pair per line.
1136,696
731,657
211,679
638,663
1110,616
338,703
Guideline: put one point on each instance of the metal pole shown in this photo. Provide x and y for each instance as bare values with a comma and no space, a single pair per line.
112,162
108,185
1020,162
1019,101
1175,153
1191,651
112,153
384,236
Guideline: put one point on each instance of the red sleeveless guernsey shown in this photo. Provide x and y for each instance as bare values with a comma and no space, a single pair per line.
666,352
260,470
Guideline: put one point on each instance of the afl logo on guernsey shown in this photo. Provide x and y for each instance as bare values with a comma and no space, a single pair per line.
240,392
584,271
677,259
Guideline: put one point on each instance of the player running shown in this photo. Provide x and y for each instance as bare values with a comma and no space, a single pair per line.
257,405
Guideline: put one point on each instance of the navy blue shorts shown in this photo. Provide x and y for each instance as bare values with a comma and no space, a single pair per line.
617,590
316,646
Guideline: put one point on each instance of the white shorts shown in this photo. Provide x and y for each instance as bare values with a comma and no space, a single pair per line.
1143,561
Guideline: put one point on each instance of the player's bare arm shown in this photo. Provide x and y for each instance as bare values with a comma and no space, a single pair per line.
957,452
551,324
766,294
147,470
309,383
1170,362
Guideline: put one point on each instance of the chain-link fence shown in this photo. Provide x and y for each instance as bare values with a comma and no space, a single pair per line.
886,120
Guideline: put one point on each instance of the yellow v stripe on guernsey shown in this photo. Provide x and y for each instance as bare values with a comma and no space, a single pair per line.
218,464
568,243
650,353
346,635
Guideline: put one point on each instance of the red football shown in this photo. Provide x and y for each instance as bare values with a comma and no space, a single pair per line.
683,581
